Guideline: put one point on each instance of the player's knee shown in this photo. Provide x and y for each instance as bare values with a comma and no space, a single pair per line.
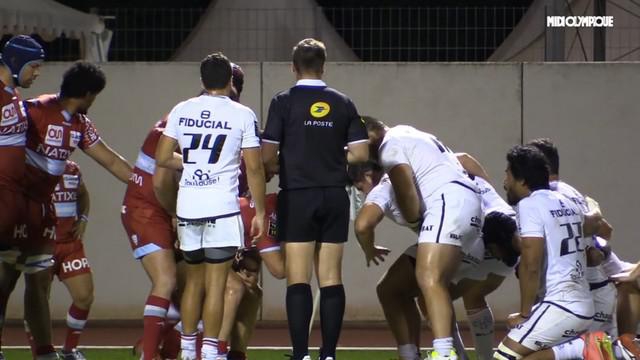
165,283
385,290
234,286
430,280
84,299
504,353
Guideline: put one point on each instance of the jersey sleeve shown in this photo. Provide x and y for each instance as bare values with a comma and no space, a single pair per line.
391,155
380,196
356,133
171,128
90,135
529,220
275,122
250,134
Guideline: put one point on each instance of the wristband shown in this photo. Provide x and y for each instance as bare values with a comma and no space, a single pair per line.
84,218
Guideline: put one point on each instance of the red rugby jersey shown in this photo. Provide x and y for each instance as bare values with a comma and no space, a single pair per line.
140,187
13,135
248,211
52,136
65,200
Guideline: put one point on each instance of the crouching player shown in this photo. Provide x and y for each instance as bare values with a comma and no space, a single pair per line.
398,288
556,305
243,294
71,201
147,209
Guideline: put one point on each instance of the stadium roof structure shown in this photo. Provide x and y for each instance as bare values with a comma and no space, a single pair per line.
50,20
257,30
527,40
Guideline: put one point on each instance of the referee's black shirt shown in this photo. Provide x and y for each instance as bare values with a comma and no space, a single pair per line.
313,123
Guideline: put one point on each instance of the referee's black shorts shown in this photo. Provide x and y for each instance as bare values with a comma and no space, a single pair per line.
313,214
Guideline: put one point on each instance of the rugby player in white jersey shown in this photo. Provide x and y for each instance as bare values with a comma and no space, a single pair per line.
434,193
211,131
555,301
603,291
398,288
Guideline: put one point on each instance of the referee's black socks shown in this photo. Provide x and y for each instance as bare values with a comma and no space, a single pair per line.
332,302
299,309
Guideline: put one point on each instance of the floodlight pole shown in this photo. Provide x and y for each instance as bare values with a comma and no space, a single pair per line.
554,36
599,33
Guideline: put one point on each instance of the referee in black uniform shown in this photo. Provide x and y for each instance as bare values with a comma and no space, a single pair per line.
311,124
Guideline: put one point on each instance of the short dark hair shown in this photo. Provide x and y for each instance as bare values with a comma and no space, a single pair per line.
528,163
373,124
82,78
550,152
499,228
356,172
309,55
215,71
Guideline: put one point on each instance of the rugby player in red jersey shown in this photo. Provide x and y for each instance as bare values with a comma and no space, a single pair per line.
57,125
20,63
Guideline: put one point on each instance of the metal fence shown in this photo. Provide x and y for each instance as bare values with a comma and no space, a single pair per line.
374,34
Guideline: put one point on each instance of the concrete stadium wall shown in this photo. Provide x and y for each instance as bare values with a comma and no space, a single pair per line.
482,109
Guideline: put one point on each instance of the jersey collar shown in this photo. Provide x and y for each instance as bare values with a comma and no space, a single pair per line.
311,82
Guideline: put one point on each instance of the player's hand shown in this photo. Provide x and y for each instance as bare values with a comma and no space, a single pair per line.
79,227
249,278
629,275
376,254
257,228
515,319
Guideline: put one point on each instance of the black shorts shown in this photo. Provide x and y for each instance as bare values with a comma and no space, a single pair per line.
314,214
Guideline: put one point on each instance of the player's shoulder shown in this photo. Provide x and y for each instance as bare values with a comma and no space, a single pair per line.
40,103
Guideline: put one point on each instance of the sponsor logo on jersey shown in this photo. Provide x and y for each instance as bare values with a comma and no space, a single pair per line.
427,228
53,152
54,135
71,181
74,140
207,124
75,265
64,196
319,109
134,239
571,333
603,317
201,178
9,115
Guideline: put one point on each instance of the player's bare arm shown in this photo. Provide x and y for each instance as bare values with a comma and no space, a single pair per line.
358,152
165,187
532,253
256,180
83,204
165,155
368,218
270,157
406,193
110,160
592,223
472,166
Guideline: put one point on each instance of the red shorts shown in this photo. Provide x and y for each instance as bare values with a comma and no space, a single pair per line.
29,246
13,221
148,231
70,260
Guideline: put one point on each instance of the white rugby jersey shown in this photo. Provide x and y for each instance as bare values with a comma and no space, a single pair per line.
382,195
491,200
433,163
550,215
211,132
595,274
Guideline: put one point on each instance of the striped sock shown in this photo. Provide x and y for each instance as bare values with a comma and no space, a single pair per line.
209,349
76,320
188,345
155,311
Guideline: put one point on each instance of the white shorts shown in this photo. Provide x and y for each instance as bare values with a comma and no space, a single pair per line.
549,325
453,216
218,233
605,299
